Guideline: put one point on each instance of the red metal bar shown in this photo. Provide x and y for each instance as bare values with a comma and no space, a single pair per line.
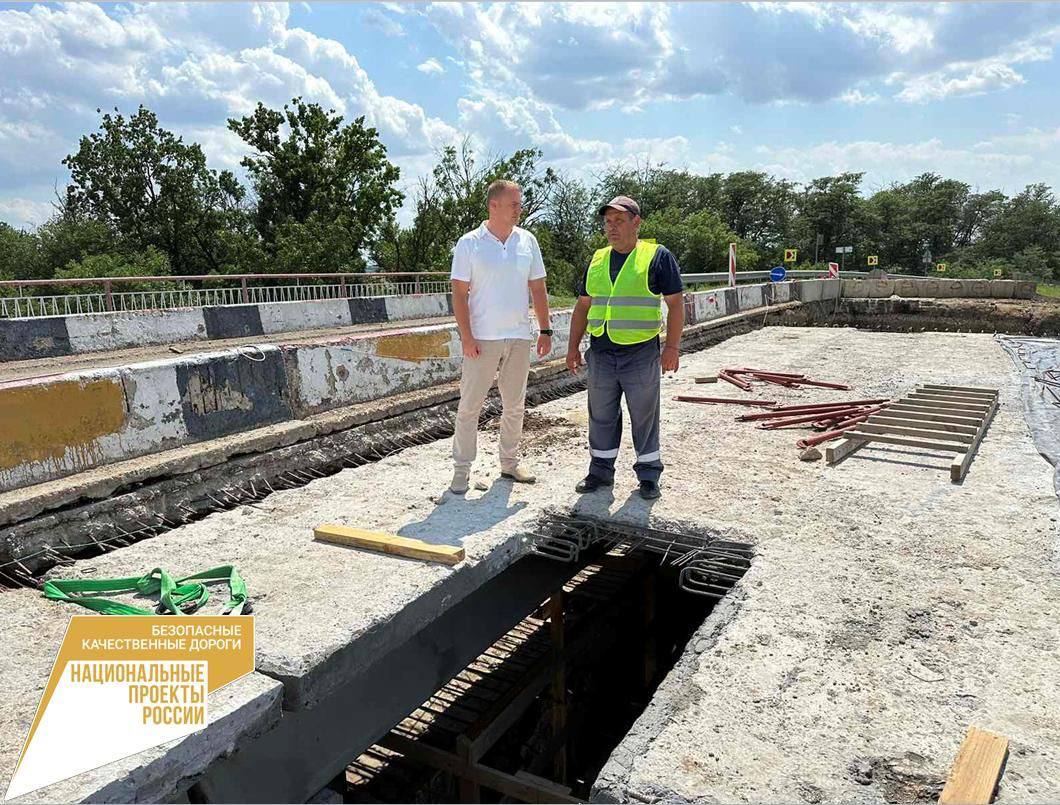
746,370
823,384
783,423
740,384
832,434
777,381
820,410
835,422
733,400
836,404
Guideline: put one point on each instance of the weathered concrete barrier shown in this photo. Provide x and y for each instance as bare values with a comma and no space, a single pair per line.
52,336
55,426
934,288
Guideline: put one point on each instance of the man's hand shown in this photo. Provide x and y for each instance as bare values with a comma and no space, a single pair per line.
574,360
671,359
471,348
544,345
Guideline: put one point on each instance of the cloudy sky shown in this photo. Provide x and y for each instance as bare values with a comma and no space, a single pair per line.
967,90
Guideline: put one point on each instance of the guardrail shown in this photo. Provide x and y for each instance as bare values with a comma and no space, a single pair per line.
181,291
723,276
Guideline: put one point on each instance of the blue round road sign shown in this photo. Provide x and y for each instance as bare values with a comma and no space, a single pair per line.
777,274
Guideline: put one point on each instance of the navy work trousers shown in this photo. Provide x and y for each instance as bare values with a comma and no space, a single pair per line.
635,373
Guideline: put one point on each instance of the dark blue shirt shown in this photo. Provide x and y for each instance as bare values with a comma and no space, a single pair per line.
664,277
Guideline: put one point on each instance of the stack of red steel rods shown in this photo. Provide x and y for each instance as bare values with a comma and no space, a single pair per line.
835,418
738,377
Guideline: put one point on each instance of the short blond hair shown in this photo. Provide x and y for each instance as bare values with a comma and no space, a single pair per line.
499,187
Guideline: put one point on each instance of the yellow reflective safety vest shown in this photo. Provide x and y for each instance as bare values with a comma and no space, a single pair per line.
626,308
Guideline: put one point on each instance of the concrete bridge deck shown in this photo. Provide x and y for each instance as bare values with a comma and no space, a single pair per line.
885,610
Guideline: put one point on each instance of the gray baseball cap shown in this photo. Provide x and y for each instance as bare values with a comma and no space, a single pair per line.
621,203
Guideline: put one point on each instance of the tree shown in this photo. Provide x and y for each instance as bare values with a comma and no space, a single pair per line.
151,189
829,207
325,190
452,201
758,208
19,255
656,187
700,241
570,218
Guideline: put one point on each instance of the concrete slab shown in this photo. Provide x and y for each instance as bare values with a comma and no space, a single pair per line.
885,611
31,629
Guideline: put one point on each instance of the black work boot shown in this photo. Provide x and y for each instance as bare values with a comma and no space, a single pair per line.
590,483
649,490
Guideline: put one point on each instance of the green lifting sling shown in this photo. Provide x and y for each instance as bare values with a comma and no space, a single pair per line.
177,596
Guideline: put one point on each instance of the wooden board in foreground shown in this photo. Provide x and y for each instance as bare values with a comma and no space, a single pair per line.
977,769
388,543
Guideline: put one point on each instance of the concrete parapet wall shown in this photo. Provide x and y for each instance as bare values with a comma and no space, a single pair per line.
53,336
935,288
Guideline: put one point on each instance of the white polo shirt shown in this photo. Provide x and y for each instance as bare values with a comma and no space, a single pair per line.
498,273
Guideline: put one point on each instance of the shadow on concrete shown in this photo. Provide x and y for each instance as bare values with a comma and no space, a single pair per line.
458,516
635,509
887,455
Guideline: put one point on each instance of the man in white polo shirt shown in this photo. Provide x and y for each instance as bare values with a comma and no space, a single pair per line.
492,268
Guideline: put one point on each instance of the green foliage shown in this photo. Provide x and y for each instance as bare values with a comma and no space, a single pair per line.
149,263
325,190
150,189
700,241
452,201
20,257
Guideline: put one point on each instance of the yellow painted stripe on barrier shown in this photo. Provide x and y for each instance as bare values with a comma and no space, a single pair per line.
414,346
41,421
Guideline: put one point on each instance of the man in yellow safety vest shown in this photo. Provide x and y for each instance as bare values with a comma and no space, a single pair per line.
619,304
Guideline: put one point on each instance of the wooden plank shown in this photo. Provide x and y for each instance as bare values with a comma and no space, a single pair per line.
873,427
958,469
388,543
942,408
914,412
977,770
980,403
842,449
969,389
524,790
909,422
907,441
955,395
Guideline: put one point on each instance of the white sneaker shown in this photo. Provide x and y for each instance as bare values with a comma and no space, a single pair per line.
461,479
519,475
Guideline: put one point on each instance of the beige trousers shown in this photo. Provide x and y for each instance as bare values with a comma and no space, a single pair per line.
512,355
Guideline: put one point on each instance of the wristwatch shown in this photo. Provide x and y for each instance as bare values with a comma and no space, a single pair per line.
546,331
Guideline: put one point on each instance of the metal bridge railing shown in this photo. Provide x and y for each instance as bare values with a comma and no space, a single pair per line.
23,298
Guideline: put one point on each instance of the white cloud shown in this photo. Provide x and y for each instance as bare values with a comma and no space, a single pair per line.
586,56
855,97
195,65
431,67
978,80
886,162
25,213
